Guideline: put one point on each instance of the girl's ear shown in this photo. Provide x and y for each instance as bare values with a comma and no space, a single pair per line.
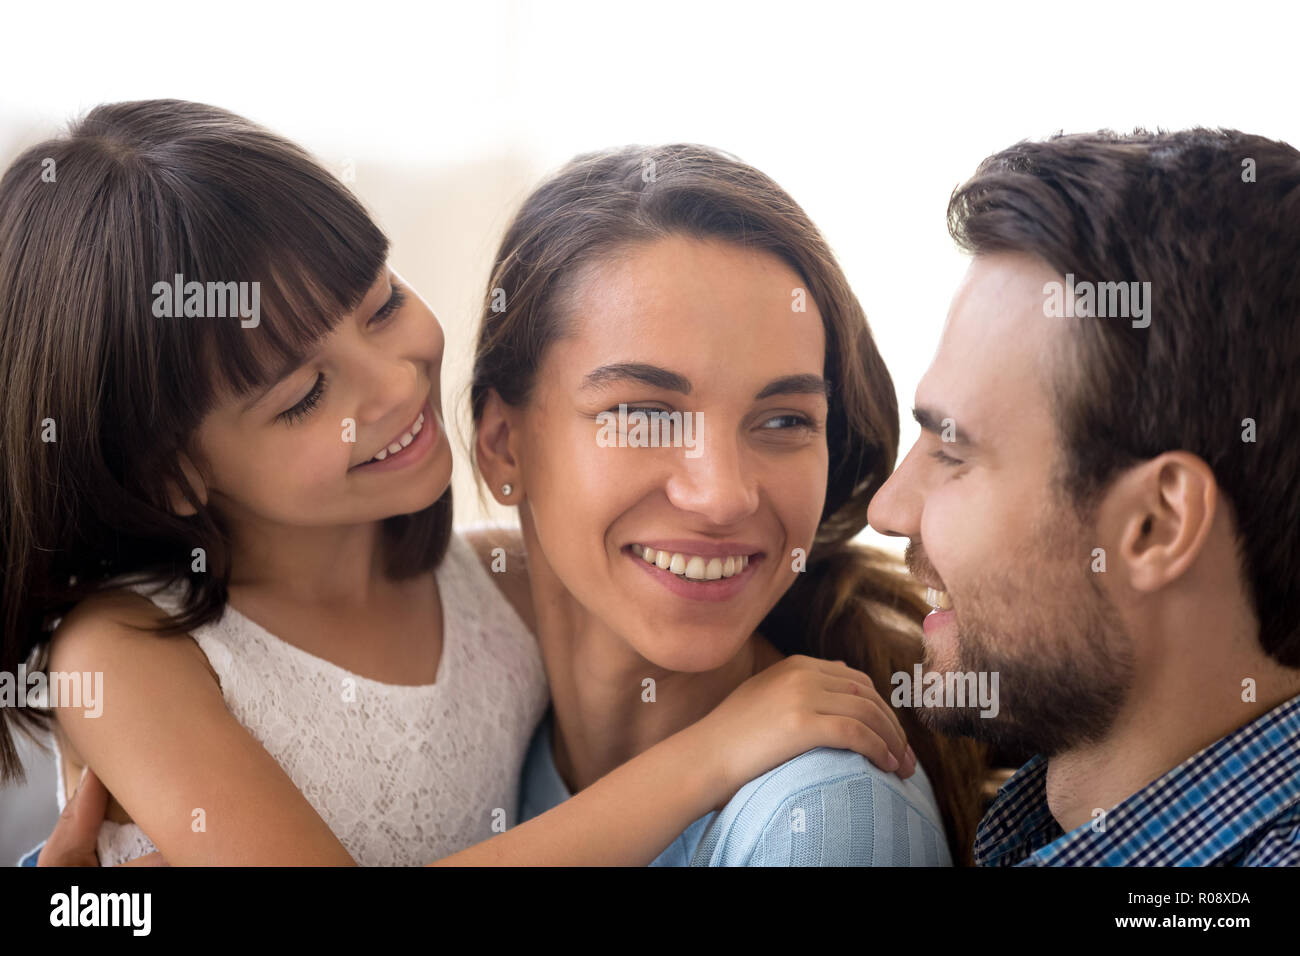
176,497
494,444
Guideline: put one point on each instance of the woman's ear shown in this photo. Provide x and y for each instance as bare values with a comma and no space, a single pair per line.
180,505
495,441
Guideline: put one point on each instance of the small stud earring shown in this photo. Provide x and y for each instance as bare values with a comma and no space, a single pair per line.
507,489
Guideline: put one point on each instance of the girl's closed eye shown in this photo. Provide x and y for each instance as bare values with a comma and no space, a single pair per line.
313,398
291,416
943,458
395,301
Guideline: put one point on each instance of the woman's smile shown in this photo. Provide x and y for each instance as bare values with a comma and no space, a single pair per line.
704,571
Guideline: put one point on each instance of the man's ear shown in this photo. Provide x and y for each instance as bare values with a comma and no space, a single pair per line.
1163,510
176,497
496,440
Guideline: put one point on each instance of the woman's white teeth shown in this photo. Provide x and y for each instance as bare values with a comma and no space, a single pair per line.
402,442
938,599
694,566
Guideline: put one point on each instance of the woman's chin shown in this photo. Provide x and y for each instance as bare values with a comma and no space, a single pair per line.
690,651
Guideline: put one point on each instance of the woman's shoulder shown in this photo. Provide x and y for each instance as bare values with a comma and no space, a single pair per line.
500,552
828,807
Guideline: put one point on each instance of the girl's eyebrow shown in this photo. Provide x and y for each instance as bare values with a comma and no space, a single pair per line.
288,368
292,365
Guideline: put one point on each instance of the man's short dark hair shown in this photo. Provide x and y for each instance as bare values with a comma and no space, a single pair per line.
1211,219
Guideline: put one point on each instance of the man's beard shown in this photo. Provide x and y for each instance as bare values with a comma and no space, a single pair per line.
1063,659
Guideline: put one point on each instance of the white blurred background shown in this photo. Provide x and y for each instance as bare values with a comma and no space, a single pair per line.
447,114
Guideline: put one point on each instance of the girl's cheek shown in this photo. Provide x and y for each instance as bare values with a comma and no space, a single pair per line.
311,461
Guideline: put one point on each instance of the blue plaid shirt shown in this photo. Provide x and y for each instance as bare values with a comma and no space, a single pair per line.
1236,803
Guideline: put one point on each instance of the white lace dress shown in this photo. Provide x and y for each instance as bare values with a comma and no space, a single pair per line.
403,775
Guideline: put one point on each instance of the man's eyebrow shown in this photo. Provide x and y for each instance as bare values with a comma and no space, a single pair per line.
795,385
651,375
937,423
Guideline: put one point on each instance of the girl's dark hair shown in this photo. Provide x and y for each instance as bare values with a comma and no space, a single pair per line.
852,603
101,396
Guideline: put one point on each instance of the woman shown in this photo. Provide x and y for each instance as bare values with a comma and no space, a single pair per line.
663,576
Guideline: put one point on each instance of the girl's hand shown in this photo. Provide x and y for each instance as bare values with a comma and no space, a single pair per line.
72,843
795,706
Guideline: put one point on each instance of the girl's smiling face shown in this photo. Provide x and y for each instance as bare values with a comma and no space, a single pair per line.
303,452
678,325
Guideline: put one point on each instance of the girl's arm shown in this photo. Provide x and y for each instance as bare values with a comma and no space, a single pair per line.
629,815
170,752
178,762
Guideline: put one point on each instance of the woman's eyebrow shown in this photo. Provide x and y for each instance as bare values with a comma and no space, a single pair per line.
651,375
657,377
806,384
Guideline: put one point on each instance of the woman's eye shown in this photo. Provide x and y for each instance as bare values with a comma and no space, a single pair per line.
395,302
943,458
304,408
787,422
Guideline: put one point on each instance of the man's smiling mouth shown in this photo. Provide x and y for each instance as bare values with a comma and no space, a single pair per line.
937,599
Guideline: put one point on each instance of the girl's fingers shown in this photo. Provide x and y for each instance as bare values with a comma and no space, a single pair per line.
851,734
848,683
841,671
830,668
873,715
869,692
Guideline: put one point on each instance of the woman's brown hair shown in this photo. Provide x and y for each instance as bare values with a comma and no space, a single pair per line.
132,195
852,603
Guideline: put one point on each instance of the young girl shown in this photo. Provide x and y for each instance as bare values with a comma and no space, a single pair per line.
225,487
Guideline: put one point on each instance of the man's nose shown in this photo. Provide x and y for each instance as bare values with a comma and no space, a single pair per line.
896,507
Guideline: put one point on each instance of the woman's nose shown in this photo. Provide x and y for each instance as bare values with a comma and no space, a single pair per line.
711,481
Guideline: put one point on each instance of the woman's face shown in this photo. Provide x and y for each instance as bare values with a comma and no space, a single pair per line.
707,328
303,452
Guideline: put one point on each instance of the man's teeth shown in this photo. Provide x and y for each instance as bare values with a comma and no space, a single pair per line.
693,566
406,439
937,599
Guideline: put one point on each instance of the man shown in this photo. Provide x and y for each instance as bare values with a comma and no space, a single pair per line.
1105,499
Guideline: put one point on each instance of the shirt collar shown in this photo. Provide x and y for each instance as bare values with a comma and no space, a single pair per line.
541,786
1200,813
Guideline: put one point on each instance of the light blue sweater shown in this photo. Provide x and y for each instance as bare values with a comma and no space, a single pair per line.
823,808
